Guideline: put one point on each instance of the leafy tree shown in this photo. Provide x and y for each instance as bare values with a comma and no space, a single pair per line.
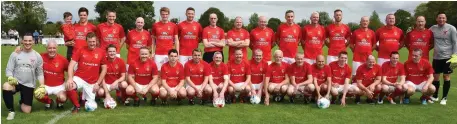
274,23
324,18
127,12
174,20
24,16
303,22
353,26
221,19
253,22
403,20
375,22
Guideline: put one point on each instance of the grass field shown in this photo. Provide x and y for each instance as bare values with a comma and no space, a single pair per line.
242,113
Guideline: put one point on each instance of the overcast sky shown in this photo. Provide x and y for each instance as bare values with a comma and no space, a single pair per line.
352,11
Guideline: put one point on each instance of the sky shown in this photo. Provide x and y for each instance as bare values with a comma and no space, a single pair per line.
352,10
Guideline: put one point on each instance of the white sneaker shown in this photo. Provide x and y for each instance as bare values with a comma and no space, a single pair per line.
10,116
443,101
434,99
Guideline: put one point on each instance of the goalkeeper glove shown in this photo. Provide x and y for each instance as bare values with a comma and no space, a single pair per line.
40,92
453,61
13,81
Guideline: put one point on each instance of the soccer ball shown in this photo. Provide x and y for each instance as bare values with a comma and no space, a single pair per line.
323,103
255,99
90,105
219,103
110,103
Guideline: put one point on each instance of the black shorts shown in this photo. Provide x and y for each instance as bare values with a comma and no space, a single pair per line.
26,94
440,66
208,56
69,52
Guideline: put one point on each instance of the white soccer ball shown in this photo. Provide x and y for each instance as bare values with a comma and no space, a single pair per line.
219,103
255,99
110,104
323,103
90,105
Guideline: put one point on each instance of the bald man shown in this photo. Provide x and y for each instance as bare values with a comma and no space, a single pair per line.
313,39
368,80
262,38
419,38
390,39
362,43
238,38
213,39
54,68
322,78
276,79
137,39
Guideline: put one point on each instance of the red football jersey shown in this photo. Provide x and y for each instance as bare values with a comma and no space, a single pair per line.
110,34
81,32
189,36
288,37
417,39
213,35
68,32
363,42
389,41
417,72
262,39
197,72
164,36
392,73
321,74
143,71
135,40
313,40
339,74
300,72
54,69
218,72
114,70
238,72
337,35
173,75
276,72
368,75
258,71
89,63
237,35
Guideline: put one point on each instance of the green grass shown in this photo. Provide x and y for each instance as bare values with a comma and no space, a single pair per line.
244,113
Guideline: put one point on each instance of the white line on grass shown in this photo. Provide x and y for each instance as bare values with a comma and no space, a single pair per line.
59,116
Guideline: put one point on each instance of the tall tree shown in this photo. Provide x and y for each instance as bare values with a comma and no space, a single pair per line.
353,26
274,23
324,18
448,7
221,19
375,22
253,22
303,22
24,16
127,12
174,20
403,20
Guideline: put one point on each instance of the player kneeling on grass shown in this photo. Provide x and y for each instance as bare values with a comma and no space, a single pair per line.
393,78
23,70
197,74
54,68
240,78
301,79
419,77
322,78
219,76
172,76
91,71
276,79
258,68
115,75
368,80
341,76
142,78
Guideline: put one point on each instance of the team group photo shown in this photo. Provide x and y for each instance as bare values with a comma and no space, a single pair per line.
216,62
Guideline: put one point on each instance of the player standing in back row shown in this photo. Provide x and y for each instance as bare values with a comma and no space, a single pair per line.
164,33
445,37
338,36
313,39
390,39
190,33
213,39
288,36
111,33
